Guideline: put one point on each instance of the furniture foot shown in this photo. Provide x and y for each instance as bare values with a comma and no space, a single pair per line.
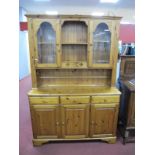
38,142
110,140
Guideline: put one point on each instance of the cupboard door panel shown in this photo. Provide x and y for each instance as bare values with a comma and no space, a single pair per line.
45,121
75,121
103,120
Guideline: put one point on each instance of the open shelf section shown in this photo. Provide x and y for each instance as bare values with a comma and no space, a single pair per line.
74,44
74,31
71,77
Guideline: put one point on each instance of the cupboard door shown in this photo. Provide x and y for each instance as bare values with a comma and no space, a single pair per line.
75,121
47,42
45,121
103,120
100,52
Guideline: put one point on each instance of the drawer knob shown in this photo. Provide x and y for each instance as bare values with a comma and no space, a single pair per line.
92,122
57,123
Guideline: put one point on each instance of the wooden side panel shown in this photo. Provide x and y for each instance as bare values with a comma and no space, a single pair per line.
116,26
131,111
32,53
75,121
103,120
45,121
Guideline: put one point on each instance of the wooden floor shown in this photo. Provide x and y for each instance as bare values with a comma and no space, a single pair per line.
61,148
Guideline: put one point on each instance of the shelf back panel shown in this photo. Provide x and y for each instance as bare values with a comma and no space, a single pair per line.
74,53
74,32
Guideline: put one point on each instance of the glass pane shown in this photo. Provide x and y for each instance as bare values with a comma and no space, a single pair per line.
101,44
46,43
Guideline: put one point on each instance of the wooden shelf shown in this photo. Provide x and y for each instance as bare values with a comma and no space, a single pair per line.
98,90
74,43
101,41
72,85
73,77
46,43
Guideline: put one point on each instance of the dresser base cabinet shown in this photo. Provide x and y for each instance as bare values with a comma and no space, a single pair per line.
73,117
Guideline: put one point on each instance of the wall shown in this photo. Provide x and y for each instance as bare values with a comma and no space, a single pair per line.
24,67
127,33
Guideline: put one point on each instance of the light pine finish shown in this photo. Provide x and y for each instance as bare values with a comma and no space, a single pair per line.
45,121
84,77
39,142
36,26
73,94
75,121
74,99
105,99
115,52
93,26
76,91
44,100
32,53
102,116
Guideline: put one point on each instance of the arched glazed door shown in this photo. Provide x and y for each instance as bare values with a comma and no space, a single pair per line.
46,43
100,44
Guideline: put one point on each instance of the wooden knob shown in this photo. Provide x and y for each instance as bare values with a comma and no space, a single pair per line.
57,123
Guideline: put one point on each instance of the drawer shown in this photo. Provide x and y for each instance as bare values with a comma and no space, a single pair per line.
74,99
105,99
44,100
78,64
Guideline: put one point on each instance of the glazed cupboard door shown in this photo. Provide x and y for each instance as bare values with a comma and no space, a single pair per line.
47,44
45,121
75,121
103,120
100,44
